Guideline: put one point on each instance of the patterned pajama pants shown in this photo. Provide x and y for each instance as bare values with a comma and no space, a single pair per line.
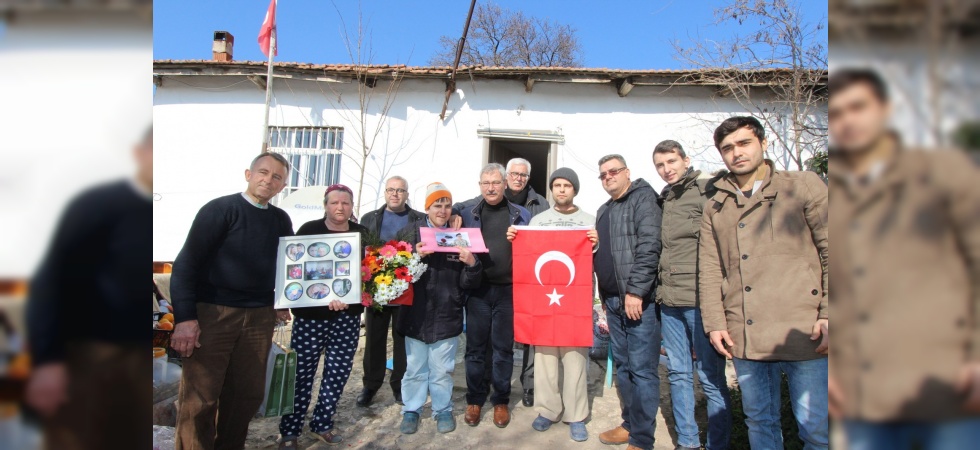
336,340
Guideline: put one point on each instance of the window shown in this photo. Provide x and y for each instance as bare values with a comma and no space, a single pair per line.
313,153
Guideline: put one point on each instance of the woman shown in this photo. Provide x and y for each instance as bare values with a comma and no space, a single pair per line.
434,321
330,330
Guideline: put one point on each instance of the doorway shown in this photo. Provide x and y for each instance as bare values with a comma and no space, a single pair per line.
539,153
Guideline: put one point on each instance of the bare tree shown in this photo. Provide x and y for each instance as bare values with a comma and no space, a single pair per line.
501,37
789,100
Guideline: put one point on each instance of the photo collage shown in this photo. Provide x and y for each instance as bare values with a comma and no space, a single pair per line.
316,269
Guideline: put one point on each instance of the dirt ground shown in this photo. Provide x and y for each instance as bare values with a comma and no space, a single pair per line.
376,427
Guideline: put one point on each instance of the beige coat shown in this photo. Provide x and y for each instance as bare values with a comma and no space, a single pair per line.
905,310
763,265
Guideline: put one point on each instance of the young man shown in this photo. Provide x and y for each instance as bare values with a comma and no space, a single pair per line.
223,288
626,261
683,203
763,284
571,403
906,350
385,223
490,309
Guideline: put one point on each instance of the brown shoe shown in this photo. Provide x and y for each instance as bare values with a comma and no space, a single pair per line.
615,436
472,417
501,416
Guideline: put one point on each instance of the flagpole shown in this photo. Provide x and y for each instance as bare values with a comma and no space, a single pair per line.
268,88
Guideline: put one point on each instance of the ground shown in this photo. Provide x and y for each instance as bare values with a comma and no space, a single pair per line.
376,427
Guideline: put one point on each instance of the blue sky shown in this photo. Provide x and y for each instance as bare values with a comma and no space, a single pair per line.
624,35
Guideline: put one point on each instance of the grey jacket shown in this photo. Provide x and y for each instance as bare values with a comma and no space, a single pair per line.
683,204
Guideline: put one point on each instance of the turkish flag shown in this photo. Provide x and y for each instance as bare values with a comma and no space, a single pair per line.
268,29
553,287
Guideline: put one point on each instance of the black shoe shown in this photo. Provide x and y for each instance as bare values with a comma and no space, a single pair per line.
528,397
366,396
398,397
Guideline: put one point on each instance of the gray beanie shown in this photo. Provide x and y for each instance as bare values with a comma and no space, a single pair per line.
567,174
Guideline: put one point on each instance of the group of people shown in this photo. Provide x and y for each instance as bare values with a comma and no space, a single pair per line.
714,267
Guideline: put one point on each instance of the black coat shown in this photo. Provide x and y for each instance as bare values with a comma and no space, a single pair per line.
437,307
634,236
372,220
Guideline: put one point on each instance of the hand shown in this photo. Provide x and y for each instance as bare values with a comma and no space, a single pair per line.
47,389
337,305
455,222
720,340
633,307
186,338
283,316
466,256
821,327
419,248
511,233
835,398
969,386
593,236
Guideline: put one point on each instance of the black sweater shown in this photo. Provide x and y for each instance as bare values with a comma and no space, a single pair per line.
229,257
496,264
88,285
315,227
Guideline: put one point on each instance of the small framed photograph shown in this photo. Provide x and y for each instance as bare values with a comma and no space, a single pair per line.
450,241
315,270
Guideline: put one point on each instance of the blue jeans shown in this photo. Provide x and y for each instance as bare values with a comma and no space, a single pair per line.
759,382
489,328
429,371
950,435
682,331
635,345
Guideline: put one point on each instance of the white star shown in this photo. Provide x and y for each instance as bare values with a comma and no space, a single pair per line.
554,296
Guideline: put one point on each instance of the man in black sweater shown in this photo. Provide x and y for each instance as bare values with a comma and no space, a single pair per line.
223,283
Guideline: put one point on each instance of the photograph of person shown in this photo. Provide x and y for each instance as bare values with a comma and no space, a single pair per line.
318,270
293,291
342,286
461,239
294,272
295,251
342,269
342,249
318,291
318,250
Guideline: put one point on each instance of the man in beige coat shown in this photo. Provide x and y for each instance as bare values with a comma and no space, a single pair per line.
906,365
763,284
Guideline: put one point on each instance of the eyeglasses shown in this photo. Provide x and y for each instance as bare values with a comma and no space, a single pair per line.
391,191
518,175
486,184
611,173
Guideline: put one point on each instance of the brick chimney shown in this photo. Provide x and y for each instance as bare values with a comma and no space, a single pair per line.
223,46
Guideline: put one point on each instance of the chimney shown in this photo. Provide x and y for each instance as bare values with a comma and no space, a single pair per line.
223,46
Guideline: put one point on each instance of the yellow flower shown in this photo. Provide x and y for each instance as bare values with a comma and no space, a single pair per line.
405,254
382,279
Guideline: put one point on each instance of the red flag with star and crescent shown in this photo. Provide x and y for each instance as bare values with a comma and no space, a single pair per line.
553,287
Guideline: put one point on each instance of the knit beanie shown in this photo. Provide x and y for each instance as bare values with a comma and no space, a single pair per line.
434,192
567,174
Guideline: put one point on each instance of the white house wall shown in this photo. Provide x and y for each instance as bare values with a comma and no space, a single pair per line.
207,129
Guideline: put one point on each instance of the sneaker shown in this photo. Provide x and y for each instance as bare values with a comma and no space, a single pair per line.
445,422
578,432
541,423
410,423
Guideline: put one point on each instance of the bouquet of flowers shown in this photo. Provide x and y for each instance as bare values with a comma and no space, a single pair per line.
387,274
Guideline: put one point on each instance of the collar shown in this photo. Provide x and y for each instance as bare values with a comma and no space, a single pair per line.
139,189
257,205
428,223
727,185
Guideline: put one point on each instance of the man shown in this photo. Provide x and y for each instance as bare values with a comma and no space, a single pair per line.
625,264
385,223
571,403
683,203
223,289
490,309
763,284
91,367
906,369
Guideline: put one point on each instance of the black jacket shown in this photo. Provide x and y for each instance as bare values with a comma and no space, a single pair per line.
372,220
634,236
437,307
535,204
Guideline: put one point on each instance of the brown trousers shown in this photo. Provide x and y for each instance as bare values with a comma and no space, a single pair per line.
109,399
223,382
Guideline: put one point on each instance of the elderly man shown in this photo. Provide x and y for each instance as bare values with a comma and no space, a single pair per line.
626,267
683,202
385,223
490,309
223,288
763,284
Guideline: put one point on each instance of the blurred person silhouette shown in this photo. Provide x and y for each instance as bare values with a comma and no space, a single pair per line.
91,367
905,371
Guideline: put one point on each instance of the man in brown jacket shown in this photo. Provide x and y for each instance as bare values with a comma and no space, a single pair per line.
763,284
905,368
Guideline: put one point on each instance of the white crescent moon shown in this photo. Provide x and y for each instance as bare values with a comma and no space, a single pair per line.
554,256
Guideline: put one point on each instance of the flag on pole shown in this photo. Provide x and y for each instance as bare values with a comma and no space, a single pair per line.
553,287
268,30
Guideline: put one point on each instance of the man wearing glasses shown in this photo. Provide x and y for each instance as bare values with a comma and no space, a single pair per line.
385,224
626,264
